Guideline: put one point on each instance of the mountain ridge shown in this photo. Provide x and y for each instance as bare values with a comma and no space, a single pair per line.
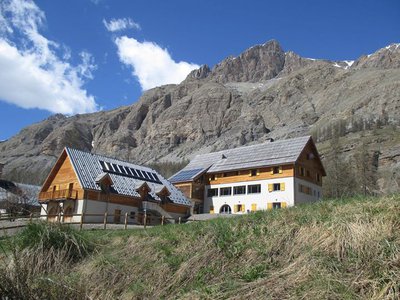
262,93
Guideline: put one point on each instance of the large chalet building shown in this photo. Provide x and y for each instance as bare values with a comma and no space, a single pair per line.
83,183
271,175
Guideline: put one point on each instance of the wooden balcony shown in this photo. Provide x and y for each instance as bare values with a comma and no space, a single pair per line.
59,195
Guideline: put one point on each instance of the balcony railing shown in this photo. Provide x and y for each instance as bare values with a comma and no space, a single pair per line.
59,195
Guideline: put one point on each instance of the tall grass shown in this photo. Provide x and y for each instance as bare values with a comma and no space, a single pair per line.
54,236
38,263
346,249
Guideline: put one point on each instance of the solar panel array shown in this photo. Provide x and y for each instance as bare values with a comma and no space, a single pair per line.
185,175
129,172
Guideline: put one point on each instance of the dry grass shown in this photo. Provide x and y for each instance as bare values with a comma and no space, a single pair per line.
345,249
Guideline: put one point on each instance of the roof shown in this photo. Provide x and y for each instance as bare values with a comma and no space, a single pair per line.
261,155
126,177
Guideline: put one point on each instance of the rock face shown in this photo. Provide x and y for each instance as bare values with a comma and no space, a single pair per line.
263,93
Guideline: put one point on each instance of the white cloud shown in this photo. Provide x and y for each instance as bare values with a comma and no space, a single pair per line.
120,24
151,64
32,74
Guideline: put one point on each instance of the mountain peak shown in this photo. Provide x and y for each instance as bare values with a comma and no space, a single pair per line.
257,63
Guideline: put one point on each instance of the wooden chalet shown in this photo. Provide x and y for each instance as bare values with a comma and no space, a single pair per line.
88,184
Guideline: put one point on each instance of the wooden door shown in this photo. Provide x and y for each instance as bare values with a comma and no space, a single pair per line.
117,216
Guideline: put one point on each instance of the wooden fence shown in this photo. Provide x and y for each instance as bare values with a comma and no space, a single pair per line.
140,219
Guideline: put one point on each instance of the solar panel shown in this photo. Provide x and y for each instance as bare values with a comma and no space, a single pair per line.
185,175
129,172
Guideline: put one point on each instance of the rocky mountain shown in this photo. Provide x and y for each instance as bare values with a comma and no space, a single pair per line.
263,93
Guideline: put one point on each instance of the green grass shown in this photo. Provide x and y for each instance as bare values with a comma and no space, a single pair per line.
337,249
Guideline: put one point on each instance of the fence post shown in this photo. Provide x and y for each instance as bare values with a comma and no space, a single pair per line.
126,220
105,220
30,218
162,220
145,220
179,220
81,223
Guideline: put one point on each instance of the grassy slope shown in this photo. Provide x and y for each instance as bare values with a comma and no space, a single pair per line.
343,249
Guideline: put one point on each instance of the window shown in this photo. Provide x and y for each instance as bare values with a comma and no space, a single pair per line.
212,177
239,190
132,215
302,171
212,192
276,170
273,187
254,207
253,172
276,205
254,189
226,191
239,208
305,189
318,177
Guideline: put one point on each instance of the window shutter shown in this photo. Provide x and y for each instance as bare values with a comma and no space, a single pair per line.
269,205
270,187
283,204
272,171
235,208
211,209
243,209
258,171
282,186
254,207
280,170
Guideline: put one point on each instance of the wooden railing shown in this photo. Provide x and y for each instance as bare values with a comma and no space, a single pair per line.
59,195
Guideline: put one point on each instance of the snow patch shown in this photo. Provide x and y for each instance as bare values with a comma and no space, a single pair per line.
349,63
336,65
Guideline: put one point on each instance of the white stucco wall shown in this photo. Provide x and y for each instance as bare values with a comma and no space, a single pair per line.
97,207
304,198
261,199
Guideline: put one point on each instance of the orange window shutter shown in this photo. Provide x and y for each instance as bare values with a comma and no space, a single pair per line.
270,187
211,209
254,207
283,204
280,170
269,205
272,171
243,208
235,208
282,186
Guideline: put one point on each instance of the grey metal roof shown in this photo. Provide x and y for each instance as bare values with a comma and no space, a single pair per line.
261,155
87,167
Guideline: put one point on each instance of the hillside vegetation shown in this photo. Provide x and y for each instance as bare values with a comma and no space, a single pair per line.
338,249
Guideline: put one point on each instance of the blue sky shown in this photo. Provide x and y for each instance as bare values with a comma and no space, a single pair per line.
80,56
